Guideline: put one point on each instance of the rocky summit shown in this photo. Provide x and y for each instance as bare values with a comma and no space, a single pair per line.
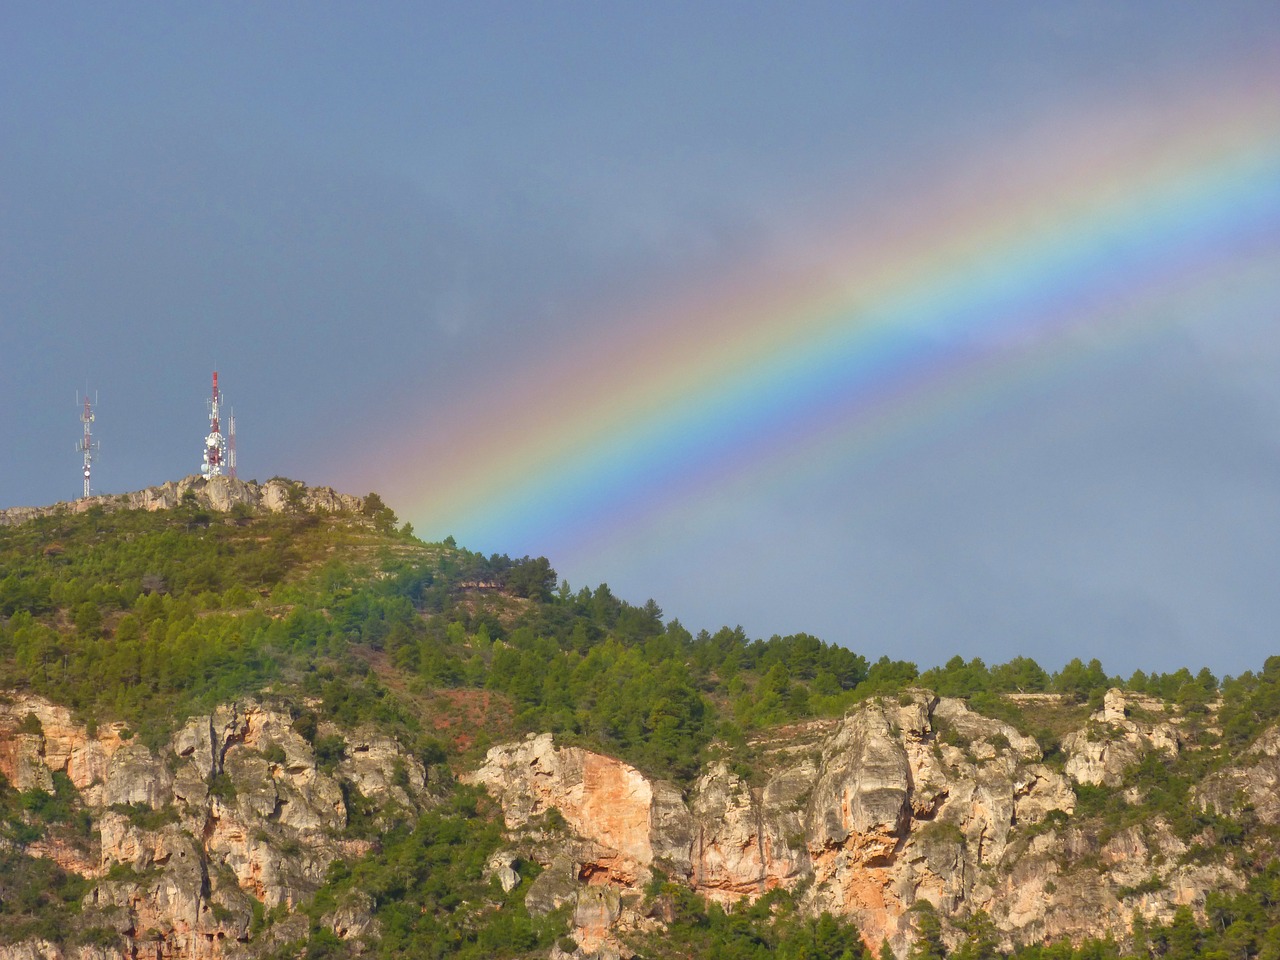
219,493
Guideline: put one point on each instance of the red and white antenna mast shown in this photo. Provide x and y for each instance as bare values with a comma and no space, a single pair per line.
215,444
86,445
231,444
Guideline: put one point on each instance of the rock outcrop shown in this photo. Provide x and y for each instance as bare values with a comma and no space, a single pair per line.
909,800
902,801
232,817
1112,742
1252,785
219,494
634,821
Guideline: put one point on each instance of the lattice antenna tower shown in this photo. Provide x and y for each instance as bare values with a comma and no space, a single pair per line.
87,446
231,444
215,444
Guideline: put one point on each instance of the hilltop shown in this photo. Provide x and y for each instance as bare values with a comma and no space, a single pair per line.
244,720
221,494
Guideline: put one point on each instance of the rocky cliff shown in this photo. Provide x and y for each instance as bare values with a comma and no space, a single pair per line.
220,494
192,844
908,800
902,802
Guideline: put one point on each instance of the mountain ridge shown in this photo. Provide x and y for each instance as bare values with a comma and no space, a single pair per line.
219,493
242,731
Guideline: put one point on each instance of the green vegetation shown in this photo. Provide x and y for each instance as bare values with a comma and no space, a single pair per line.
430,893
1243,924
149,617
144,619
768,928
36,895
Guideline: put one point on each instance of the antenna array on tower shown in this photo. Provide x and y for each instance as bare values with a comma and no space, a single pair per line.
215,444
231,444
87,446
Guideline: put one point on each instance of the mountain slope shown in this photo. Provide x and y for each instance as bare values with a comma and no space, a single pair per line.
257,720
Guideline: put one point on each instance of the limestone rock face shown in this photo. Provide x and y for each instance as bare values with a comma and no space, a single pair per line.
873,811
1112,742
25,766
860,798
44,950
234,810
378,766
502,866
38,738
600,798
918,798
625,821
1256,780
914,800
740,850
135,775
219,494
904,799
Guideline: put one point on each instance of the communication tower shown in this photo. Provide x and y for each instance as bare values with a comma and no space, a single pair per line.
87,446
231,444
215,444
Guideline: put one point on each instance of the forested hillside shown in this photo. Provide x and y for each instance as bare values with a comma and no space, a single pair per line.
138,622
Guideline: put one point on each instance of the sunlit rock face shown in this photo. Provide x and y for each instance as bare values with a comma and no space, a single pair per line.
232,810
219,494
902,800
1101,752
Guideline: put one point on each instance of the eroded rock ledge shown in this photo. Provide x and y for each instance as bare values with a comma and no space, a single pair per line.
219,494
232,816
904,800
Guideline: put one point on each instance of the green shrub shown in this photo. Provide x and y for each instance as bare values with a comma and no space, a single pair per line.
330,750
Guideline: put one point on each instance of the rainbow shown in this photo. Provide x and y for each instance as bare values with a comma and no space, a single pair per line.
1067,248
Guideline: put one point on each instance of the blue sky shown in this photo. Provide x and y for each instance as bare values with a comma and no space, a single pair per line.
367,216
